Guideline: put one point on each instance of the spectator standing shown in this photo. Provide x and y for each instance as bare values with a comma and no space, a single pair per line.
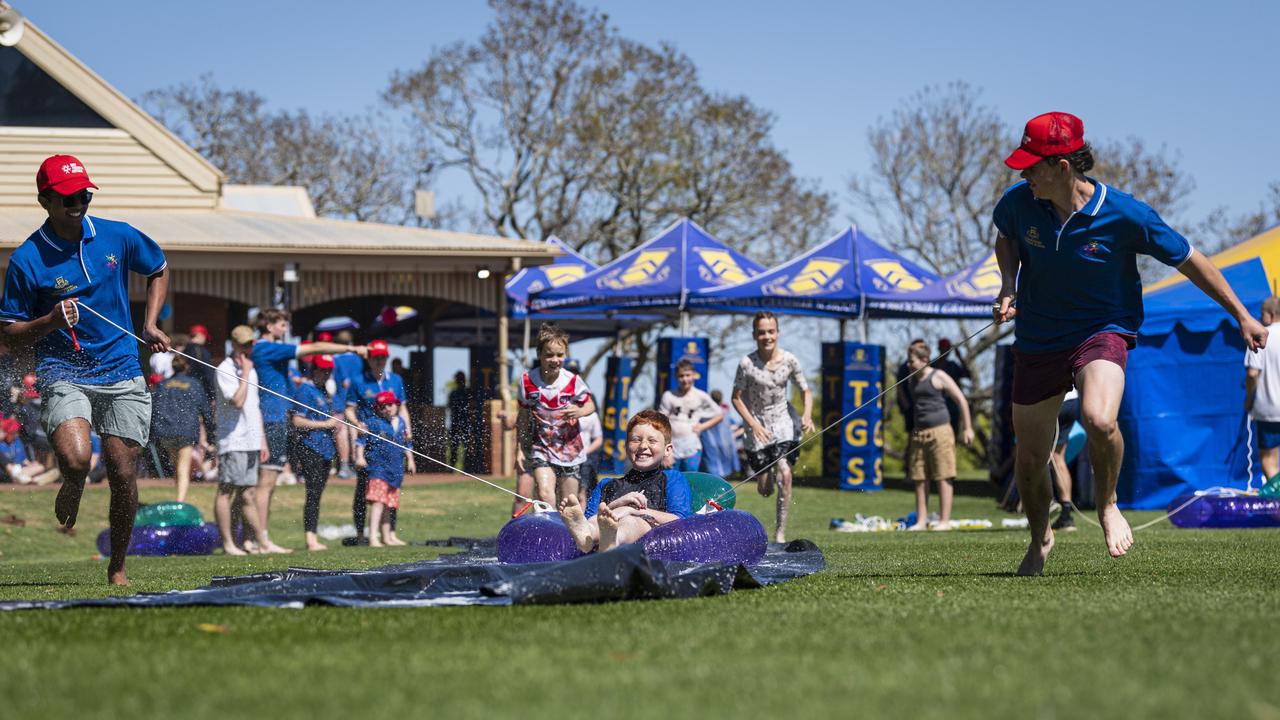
272,357
720,453
933,443
1262,391
347,366
381,453
315,448
460,417
242,445
361,407
180,420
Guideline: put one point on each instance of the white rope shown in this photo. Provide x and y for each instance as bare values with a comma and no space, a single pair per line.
851,413
537,504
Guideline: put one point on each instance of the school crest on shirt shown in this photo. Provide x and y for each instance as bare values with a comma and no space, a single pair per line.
1033,237
60,285
112,262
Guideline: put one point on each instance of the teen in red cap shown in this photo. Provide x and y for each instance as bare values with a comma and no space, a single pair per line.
89,373
1067,249
362,394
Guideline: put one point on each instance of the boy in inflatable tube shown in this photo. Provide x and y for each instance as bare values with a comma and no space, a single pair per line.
621,510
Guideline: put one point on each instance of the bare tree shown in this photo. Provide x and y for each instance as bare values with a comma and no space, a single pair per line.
562,127
351,165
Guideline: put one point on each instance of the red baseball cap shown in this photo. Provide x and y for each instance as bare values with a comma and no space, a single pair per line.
198,330
378,348
321,361
1053,133
386,397
64,175
324,336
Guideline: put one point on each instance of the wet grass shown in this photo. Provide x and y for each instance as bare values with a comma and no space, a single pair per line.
920,625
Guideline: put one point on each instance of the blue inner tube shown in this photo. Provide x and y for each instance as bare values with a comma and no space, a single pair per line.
155,540
732,536
1225,511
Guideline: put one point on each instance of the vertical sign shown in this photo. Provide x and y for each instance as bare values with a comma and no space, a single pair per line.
672,350
613,418
861,441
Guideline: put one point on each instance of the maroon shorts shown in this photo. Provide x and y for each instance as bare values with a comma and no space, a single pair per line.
1040,376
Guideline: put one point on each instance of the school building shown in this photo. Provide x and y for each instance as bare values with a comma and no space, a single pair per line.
234,247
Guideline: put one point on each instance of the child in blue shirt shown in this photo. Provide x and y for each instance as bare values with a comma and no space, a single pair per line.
385,463
623,509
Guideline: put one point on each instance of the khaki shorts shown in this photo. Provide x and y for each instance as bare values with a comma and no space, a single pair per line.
932,454
121,408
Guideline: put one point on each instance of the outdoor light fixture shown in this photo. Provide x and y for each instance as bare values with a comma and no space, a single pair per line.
483,273
290,272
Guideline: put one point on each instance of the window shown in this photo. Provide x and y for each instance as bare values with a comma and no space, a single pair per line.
30,98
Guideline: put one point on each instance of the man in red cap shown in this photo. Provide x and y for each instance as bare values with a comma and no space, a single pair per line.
87,363
362,394
1067,249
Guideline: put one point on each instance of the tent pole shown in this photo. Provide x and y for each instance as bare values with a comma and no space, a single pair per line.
684,323
525,357
865,329
842,322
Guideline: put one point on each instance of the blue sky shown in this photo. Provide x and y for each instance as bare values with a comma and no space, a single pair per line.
1197,79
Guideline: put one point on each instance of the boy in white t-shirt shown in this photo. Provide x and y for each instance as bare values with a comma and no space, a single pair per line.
552,400
241,444
1262,391
691,412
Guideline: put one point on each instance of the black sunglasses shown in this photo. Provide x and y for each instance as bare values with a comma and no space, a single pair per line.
73,200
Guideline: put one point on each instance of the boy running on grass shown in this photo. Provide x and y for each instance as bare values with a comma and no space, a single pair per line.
385,463
551,401
621,510
692,412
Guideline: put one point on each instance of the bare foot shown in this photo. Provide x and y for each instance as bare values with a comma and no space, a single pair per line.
232,550
275,549
67,505
315,546
608,528
780,538
1037,554
117,578
941,526
576,520
917,527
375,542
395,540
1116,529
764,484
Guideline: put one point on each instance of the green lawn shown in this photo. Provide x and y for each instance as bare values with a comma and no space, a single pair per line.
919,625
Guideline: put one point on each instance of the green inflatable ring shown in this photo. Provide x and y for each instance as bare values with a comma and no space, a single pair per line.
168,514
710,487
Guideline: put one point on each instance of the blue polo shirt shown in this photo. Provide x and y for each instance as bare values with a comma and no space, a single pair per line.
271,359
385,461
318,441
364,389
1080,278
46,270
346,367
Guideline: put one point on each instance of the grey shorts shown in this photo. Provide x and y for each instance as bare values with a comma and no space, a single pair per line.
277,445
238,468
121,408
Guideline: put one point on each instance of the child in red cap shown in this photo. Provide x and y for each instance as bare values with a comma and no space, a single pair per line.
385,463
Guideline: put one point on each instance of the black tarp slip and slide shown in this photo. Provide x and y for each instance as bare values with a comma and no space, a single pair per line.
474,577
